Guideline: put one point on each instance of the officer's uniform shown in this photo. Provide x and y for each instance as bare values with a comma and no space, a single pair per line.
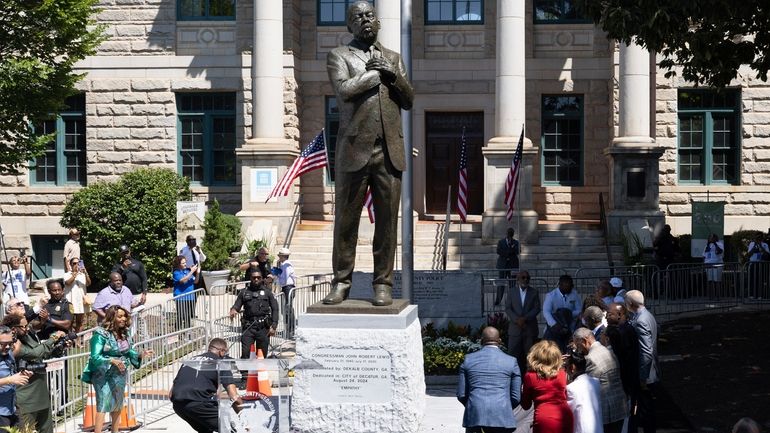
57,310
260,312
194,394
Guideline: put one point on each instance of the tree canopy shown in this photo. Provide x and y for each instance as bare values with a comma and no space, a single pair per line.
708,39
40,42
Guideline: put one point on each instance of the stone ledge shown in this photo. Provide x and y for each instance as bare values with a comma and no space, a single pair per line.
358,306
360,321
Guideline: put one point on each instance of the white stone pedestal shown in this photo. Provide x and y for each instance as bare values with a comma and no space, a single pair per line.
372,380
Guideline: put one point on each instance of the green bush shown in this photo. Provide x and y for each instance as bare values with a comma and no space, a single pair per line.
138,210
221,238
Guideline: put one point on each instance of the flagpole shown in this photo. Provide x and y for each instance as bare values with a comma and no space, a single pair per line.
407,224
447,224
518,203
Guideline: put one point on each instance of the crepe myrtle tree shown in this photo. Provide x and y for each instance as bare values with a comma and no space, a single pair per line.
708,39
40,42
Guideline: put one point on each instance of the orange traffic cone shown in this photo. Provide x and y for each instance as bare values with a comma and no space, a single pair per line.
257,382
89,413
127,420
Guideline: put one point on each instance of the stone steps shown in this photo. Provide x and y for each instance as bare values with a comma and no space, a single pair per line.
561,246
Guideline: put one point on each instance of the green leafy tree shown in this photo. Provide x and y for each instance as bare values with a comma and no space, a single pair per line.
40,42
709,39
139,210
221,238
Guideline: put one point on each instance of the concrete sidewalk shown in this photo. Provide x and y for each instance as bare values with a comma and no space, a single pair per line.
443,414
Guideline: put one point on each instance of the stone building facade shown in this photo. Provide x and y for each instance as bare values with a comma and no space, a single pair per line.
200,88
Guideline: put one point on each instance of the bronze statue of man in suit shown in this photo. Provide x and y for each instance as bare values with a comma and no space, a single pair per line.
372,87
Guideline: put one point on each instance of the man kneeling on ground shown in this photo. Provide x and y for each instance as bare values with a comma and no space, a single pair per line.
194,393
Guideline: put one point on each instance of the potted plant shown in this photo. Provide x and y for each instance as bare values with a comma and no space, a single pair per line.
221,238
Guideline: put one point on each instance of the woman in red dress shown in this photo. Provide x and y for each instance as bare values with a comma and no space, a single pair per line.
545,384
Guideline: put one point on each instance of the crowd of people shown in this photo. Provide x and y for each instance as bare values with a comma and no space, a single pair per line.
35,330
594,370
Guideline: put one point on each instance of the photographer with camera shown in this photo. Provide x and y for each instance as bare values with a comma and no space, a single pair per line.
9,379
34,399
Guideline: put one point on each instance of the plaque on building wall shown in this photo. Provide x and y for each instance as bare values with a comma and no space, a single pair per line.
262,181
351,376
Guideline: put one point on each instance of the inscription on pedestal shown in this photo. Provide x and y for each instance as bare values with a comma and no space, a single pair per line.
438,294
351,376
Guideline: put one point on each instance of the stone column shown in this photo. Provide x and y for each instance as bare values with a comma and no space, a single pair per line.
634,177
267,154
389,13
510,115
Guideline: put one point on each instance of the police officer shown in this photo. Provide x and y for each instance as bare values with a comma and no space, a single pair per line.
260,315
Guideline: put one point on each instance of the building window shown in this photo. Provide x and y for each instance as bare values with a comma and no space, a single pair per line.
454,11
206,128
709,136
562,140
199,10
332,125
557,12
334,12
64,160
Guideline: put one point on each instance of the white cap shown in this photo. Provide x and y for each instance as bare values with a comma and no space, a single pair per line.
616,282
284,252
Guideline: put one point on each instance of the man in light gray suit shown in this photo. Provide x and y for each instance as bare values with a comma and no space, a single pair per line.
522,308
372,88
602,364
649,372
489,387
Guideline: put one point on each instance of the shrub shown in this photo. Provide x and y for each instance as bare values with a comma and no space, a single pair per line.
443,356
221,238
138,210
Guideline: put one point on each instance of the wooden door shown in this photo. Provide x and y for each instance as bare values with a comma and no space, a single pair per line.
443,138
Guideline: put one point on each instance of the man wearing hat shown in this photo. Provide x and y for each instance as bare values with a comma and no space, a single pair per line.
617,287
71,249
133,273
286,276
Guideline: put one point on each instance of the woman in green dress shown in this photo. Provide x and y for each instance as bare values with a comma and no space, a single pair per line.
111,351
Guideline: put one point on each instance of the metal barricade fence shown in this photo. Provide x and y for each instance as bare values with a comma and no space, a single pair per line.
635,277
549,275
495,289
68,393
149,385
697,287
756,282
218,303
302,297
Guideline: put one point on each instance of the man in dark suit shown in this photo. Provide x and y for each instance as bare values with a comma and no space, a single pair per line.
649,372
507,259
372,88
522,308
489,387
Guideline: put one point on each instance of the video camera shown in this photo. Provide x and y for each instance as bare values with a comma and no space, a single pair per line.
61,344
33,366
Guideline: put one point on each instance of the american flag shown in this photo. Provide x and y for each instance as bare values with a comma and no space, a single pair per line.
312,158
512,182
369,203
462,183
